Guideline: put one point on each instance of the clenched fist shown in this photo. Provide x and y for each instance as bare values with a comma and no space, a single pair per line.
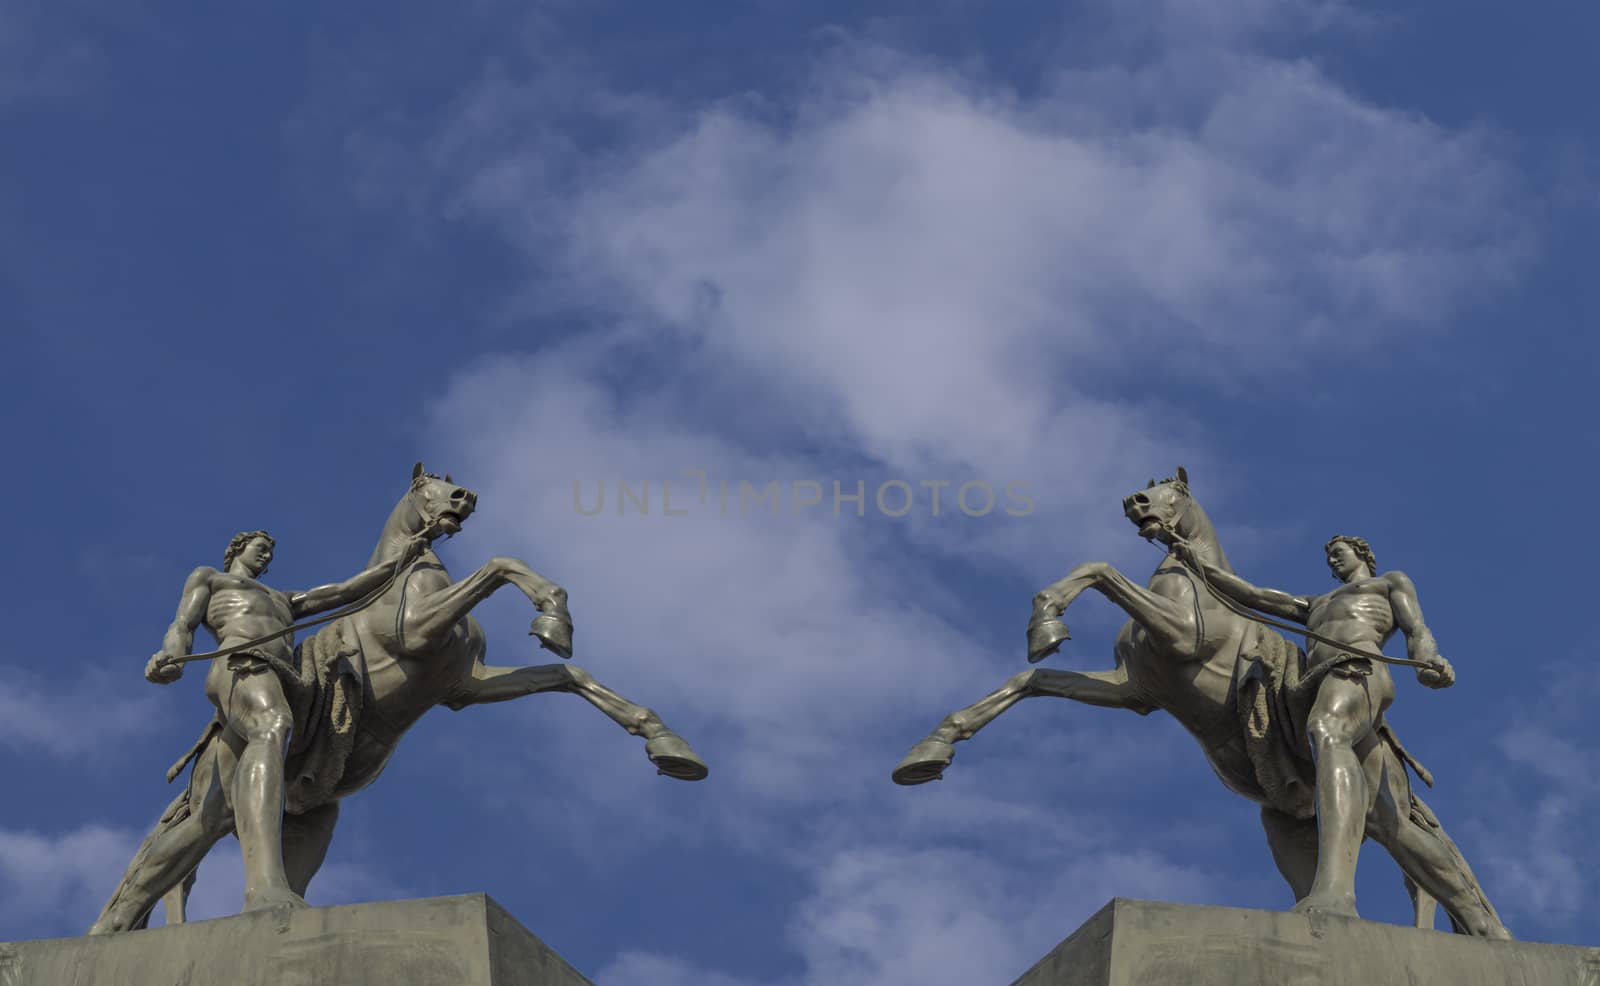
163,668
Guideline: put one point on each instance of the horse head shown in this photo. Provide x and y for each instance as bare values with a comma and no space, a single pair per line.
1161,509
437,503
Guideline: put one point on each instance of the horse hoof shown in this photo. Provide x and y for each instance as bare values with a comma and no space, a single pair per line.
1045,638
554,633
673,757
926,762
1342,905
273,899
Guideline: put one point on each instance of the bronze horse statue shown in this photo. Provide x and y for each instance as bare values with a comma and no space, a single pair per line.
367,677
1187,653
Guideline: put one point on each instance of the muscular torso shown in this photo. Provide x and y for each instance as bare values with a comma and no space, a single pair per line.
1358,614
240,609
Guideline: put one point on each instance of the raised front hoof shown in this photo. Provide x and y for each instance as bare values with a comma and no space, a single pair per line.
926,762
1341,906
673,757
269,900
1045,638
554,633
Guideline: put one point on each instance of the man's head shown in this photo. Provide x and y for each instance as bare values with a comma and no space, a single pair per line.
1347,555
252,548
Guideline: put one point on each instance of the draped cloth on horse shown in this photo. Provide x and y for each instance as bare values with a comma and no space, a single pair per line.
325,691
1275,694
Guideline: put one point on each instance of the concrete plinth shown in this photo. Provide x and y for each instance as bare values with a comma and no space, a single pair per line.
1143,943
439,941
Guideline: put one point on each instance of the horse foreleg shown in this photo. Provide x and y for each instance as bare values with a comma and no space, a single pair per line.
305,844
1169,621
429,620
665,748
1108,689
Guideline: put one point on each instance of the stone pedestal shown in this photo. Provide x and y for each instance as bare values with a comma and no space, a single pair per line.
439,941
1143,943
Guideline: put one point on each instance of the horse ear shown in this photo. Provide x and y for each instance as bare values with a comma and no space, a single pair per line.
1150,485
1183,476
416,471
447,478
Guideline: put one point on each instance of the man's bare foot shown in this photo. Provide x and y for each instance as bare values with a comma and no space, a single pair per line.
1343,905
266,900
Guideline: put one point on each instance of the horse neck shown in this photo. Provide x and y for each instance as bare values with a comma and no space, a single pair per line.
1196,528
405,520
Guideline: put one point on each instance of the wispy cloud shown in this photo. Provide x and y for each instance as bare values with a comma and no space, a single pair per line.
219,889
895,270
55,884
1539,853
91,714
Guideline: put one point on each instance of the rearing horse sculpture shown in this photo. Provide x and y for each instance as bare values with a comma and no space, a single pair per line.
367,677
1185,652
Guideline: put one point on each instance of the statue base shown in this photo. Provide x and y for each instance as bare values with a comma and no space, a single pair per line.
1146,943
438,941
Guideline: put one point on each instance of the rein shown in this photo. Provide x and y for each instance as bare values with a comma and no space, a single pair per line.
1250,614
353,608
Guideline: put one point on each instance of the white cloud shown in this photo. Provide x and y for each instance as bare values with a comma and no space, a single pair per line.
1537,846
661,970
91,714
55,885
884,916
898,272
219,888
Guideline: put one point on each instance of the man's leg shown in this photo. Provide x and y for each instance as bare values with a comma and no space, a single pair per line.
1340,721
176,845
260,720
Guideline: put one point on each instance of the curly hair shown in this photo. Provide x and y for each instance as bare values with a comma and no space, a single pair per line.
1362,549
240,542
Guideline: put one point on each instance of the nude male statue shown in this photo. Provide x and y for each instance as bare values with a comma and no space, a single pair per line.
247,689
1351,693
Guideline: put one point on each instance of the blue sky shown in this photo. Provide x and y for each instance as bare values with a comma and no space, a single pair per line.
1334,259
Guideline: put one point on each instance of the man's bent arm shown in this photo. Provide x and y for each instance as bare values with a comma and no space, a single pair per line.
1408,617
326,597
191,613
1274,601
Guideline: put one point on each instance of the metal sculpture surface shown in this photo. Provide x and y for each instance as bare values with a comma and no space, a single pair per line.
299,728
1302,735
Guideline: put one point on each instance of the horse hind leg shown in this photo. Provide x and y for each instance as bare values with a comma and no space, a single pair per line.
1108,689
306,838
175,902
671,754
1293,842
1424,908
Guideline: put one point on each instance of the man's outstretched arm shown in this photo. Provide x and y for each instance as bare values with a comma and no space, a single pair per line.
1420,645
1274,601
326,597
